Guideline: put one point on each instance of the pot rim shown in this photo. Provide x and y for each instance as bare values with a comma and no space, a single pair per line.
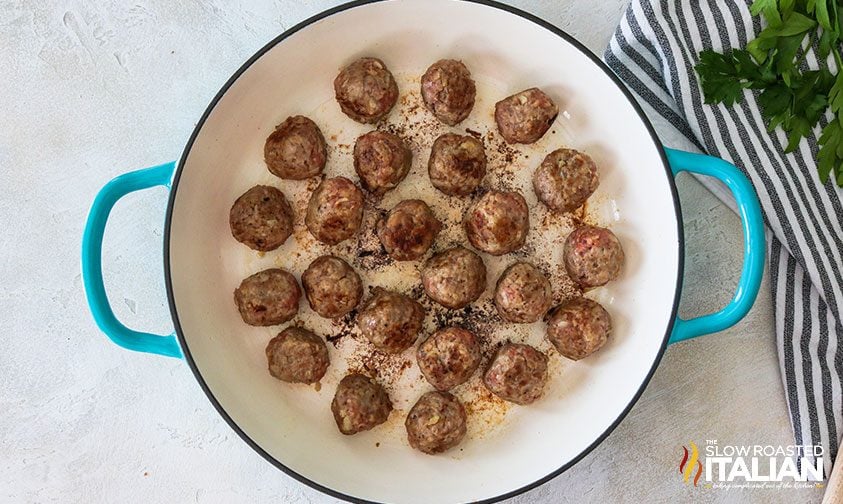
280,38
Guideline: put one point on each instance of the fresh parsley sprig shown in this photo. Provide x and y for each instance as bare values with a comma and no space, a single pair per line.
791,96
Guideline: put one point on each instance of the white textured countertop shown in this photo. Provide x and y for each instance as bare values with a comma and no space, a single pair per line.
89,90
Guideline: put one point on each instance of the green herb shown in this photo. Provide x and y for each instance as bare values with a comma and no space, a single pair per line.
791,96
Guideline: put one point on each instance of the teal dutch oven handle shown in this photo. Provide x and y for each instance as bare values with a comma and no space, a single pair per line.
92,262
753,242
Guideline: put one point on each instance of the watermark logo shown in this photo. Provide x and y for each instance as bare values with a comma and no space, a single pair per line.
690,462
752,466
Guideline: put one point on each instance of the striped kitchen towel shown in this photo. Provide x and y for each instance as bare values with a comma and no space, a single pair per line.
654,51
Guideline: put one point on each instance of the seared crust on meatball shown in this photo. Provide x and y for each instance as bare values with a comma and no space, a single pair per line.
517,373
454,278
332,287
409,230
335,210
296,149
593,256
261,218
297,355
526,116
448,91
391,321
579,327
522,294
436,423
359,404
366,90
565,179
269,297
498,222
449,357
381,160
457,164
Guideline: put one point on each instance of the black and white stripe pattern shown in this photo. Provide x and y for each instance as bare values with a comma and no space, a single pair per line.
654,51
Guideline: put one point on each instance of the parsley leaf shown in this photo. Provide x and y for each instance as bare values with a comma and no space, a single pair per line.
823,14
831,150
769,8
791,96
724,76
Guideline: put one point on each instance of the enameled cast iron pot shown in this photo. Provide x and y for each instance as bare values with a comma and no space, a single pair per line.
512,50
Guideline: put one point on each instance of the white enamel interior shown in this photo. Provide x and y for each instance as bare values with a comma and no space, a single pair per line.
506,53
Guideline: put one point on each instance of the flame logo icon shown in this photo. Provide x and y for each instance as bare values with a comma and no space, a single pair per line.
689,461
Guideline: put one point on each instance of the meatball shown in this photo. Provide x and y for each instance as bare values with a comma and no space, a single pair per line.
332,287
408,230
296,149
523,294
261,218
454,278
457,164
593,256
381,160
297,355
391,321
269,297
366,90
449,357
565,179
436,423
517,373
579,327
359,404
335,210
498,222
448,91
525,117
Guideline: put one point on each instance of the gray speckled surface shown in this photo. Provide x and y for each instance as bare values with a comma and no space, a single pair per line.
94,89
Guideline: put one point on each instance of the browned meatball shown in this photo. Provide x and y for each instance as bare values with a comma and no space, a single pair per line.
457,164
381,160
297,355
454,278
436,423
408,230
332,287
523,294
449,357
593,256
359,404
517,373
448,91
565,179
296,149
525,117
498,222
269,297
366,90
579,327
261,218
335,210
391,321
